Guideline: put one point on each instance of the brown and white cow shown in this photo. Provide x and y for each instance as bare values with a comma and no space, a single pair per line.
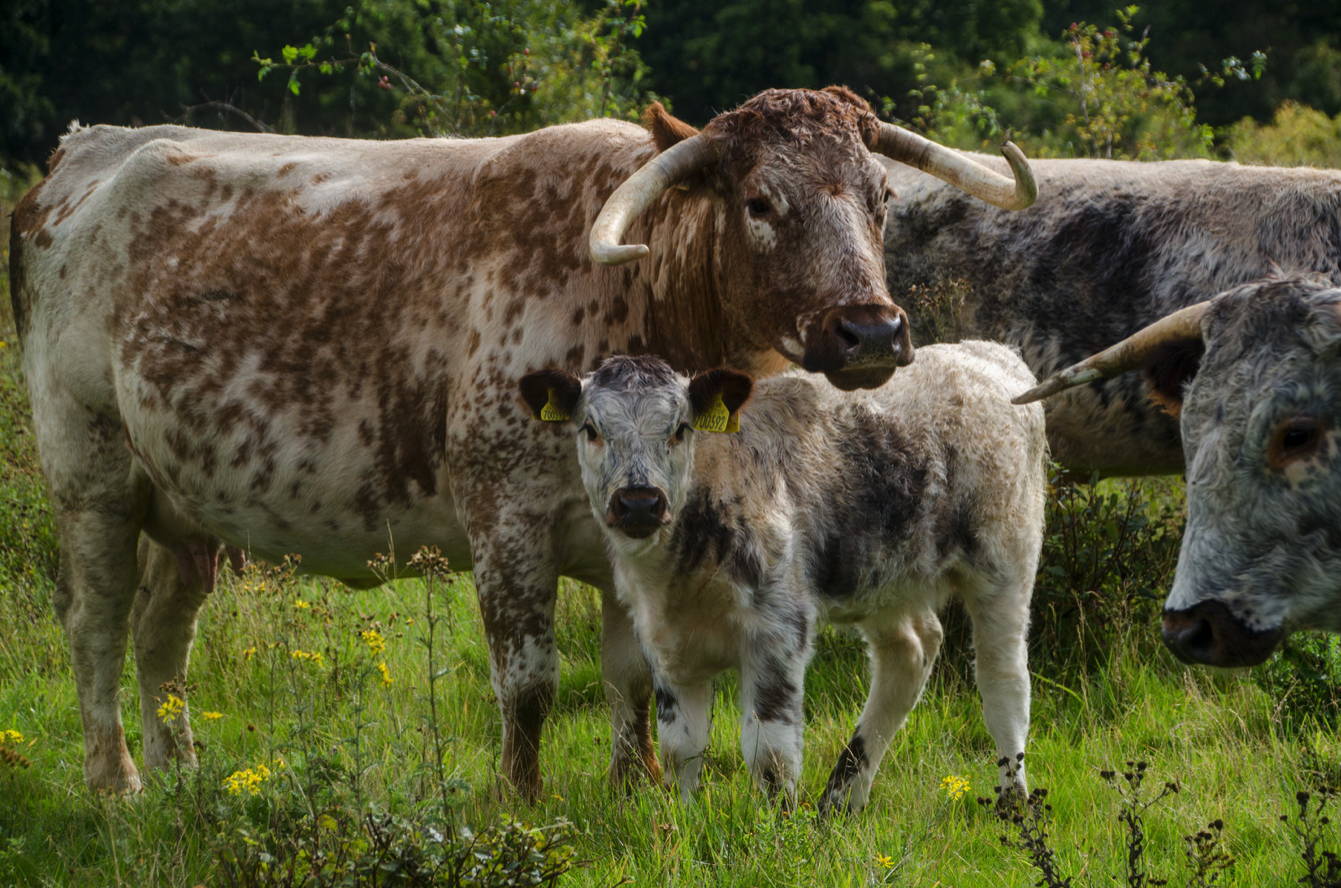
308,345
872,509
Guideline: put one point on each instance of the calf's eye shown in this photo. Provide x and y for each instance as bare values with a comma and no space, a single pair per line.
590,431
1297,438
678,437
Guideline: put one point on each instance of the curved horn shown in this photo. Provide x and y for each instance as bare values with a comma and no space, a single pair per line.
944,163
637,193
1126,355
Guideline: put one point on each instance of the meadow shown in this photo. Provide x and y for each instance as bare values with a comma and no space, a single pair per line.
351,738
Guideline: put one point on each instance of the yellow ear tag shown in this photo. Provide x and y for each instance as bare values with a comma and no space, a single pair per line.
551,412
717,418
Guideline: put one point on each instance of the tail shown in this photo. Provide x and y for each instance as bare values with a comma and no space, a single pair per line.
16,298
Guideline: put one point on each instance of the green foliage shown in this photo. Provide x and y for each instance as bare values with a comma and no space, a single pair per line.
1096,95
709,57
1109,551
1297,136
467,67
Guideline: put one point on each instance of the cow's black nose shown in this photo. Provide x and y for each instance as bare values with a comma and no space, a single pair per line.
637,511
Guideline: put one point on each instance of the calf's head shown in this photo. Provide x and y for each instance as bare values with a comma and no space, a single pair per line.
635,420
797,237
1255,378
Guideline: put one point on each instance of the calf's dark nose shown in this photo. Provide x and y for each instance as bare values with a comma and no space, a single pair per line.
637,511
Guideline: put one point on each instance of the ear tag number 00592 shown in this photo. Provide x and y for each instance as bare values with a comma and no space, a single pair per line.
716,418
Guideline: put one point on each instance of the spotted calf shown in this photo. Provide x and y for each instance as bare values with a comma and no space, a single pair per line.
871,509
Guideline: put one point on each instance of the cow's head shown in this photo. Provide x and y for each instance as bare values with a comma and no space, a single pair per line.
635,419
1255,378
798,249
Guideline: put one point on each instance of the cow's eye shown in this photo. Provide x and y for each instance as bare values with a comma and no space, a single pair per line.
758,206
590,431
1294,439
678,437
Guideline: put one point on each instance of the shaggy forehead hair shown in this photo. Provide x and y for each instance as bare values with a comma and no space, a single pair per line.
796,115
623,373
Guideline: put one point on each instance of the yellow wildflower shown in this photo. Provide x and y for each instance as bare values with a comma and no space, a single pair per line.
211,716
302,605
171,708
10,738
249,653
374,640
955,786
313,657
247,780
387,680
885,861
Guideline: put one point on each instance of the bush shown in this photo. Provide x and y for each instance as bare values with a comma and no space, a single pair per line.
1297,136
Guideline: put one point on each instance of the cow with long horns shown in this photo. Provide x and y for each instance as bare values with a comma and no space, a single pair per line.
1254,378
1111,247
309,345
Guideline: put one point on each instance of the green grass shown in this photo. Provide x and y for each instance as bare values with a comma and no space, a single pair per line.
349,743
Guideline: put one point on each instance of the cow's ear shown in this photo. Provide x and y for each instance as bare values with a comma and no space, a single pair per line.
1169,369
716,396
551,395
665,129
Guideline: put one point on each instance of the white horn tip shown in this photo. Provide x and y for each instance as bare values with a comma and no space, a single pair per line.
1068,378
618,254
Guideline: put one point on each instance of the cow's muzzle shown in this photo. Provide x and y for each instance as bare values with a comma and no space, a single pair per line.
858,346
637,512
1209,633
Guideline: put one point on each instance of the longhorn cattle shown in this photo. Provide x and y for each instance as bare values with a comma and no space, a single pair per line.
309,345
1254,376
872,509
1111,247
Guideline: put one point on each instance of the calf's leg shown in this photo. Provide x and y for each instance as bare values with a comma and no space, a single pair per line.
684,720
903,649
1000,616
772,681
628,690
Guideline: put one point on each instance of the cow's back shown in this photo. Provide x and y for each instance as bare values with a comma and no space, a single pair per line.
277,322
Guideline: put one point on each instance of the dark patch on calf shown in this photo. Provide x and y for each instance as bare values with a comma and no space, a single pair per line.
667,706
877,490
774,700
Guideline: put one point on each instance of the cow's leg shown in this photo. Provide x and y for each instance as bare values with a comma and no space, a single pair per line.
516,580
99,510
173,585
1000,616
903,650
628,690
684,720
772,682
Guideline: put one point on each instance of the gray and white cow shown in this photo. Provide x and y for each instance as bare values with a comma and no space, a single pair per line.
309,345
1258,400
872,509
1110,247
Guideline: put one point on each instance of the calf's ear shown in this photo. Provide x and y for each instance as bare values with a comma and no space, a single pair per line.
716,396
551,395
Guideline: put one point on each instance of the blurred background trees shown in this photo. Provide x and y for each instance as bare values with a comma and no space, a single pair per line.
1070,77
